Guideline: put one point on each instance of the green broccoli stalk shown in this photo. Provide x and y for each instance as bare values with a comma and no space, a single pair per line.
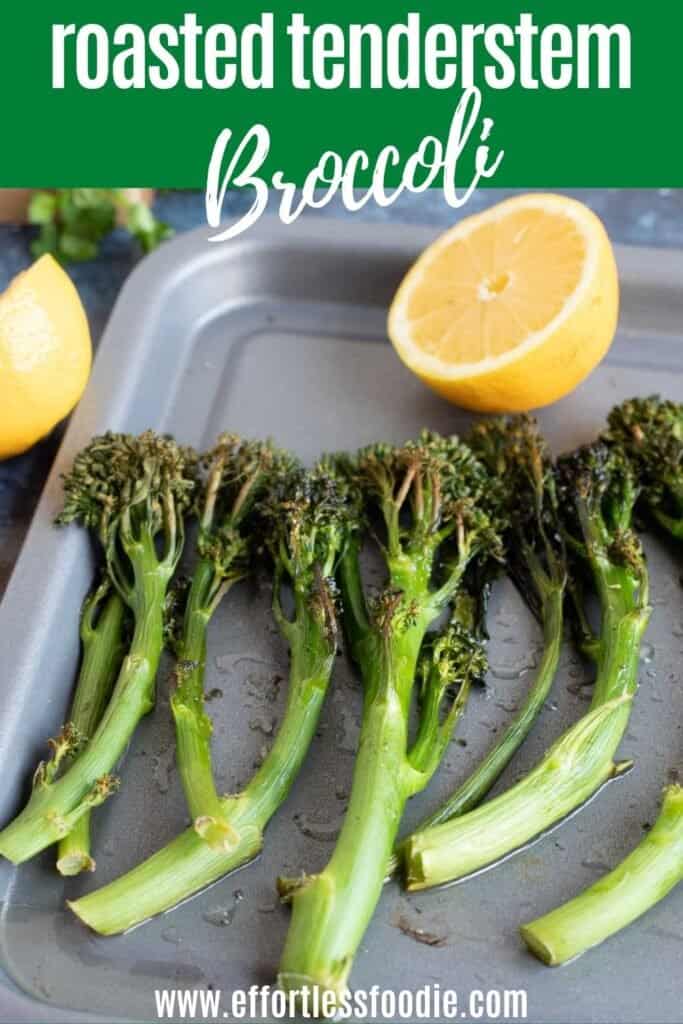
430,496
597,496
134,493
307,519
650,431
237,472
102,643
519,462
614,901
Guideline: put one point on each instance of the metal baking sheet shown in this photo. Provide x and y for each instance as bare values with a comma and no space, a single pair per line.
282,333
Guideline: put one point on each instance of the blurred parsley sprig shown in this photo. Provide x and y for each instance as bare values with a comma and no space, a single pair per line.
73,222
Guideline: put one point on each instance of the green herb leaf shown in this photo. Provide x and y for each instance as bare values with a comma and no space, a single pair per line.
74,221
42,208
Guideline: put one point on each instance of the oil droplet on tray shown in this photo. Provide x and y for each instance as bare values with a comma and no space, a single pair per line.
222,915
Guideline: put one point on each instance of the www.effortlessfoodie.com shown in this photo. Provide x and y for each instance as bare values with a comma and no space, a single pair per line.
430,1002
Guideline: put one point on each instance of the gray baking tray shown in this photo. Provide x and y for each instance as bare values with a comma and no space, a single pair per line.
282,333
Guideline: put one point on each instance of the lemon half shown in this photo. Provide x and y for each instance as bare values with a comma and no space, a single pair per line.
510,309
45,354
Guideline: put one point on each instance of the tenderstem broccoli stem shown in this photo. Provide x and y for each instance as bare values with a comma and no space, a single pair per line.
188,864
479,782
312,660
476,786
193,725
331,910
614,901
102,645
669,523
56,806
173,874
571,771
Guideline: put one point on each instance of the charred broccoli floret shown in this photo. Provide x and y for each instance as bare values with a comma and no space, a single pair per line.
650,432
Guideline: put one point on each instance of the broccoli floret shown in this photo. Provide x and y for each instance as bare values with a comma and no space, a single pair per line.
650,432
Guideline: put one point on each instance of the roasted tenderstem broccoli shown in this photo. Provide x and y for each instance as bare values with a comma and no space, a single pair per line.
237,472
642,879
650,431
597,494
430,499
305,519
134,494
521,469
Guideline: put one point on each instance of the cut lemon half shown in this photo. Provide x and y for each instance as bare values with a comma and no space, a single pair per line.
45,354
511,308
